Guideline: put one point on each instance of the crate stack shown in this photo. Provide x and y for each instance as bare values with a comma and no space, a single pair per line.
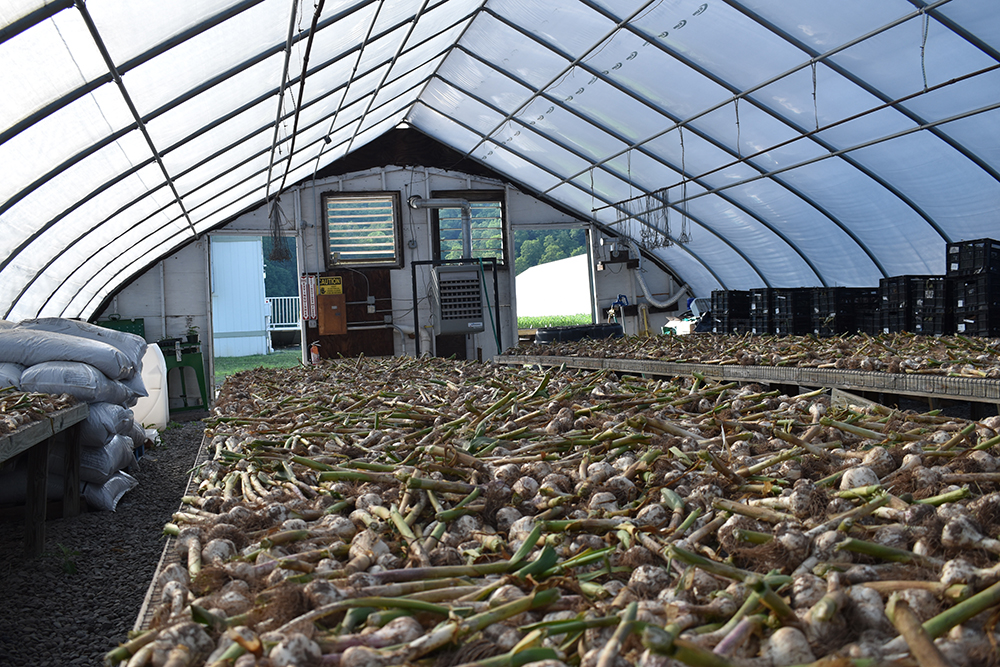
869,317
838,310
762,310
974,271
792,311
921,304
730,311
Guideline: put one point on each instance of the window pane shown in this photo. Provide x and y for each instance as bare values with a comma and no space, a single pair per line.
487,231
361,229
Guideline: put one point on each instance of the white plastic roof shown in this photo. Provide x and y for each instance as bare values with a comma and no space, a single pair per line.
803,142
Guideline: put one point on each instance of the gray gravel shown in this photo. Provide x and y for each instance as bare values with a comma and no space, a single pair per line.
51,617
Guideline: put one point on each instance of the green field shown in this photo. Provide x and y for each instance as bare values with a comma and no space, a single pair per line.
226,366
553,321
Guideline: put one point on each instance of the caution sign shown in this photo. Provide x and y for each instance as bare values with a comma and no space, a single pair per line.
331,285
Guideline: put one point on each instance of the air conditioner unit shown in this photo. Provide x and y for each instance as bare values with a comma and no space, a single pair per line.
457,300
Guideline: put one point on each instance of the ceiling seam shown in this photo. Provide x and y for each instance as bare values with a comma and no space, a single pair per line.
758,86
470,17
737,94
573,62
388,70
30,20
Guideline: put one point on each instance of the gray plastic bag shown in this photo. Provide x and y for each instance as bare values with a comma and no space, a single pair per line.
131,345
29,347
77,379
10,374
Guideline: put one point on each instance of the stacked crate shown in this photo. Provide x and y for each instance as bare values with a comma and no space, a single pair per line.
761,310
792,311
921,304
869,318
974,270
837,310
730,311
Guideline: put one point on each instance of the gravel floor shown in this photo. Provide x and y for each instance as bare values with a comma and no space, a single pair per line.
51,617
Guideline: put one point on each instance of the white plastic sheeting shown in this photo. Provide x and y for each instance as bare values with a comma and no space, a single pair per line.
799,143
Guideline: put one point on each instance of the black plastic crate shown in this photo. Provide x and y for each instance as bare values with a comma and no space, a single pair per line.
762,310
739,325
794,325
837,310
922,304
978,321
793,302
981,256
734,303
976,291
761,323
933,324
870,322
908,292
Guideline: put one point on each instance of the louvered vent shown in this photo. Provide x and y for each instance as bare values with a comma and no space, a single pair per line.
458,300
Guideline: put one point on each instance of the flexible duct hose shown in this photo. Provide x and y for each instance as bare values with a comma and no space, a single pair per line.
681,291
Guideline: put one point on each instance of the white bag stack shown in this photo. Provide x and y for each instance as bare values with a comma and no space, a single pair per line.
101,367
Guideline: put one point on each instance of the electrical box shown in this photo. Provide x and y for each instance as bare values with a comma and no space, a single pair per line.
457,299
332,315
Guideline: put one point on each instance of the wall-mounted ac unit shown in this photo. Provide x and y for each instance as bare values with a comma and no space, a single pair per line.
457,300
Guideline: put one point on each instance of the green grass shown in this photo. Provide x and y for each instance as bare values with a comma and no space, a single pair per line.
226,366
553,321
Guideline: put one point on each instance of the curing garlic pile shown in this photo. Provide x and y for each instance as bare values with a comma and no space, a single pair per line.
21,408
403,511
904,352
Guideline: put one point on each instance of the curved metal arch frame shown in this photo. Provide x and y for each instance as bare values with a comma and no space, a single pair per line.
174,103
887,99
711,140
815,56
541,167
569,149
678,122
251,176
601,164
246,160
208,127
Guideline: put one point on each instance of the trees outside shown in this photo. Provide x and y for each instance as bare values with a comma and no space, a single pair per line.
280,278
539,246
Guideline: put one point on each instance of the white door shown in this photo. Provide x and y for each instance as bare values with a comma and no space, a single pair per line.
239,311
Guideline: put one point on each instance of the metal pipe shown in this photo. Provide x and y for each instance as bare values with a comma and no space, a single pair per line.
416,201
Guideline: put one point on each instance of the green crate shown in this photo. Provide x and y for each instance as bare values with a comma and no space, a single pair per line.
135,326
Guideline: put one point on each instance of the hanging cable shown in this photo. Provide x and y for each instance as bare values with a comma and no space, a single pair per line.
279,248
815,103
923,45
736,105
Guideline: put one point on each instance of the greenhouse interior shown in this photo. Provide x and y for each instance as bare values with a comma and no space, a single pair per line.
773,440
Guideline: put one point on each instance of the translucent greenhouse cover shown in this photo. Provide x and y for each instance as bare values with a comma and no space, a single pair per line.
742,143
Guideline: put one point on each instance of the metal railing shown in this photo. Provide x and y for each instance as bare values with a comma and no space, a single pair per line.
284,312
